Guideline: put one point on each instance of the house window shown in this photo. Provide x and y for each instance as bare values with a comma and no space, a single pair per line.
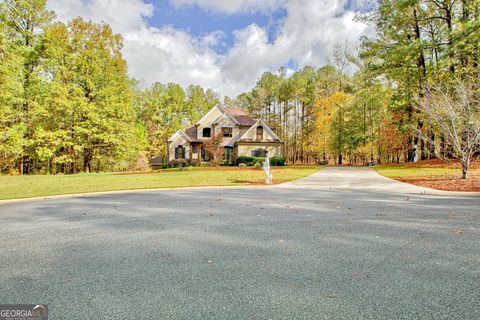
227,132
259,152
180,152
259,133
207,132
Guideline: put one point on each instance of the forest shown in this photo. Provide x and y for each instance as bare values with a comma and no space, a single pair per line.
68,104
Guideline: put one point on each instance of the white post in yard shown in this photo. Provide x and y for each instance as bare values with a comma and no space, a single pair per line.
415,153
266,168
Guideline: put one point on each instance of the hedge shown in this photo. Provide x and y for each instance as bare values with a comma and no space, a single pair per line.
249,161
277,161
179,163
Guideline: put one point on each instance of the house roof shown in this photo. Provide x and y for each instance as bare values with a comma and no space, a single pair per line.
241,117
192,133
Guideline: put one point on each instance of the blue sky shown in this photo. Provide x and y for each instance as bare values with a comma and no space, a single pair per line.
221,44
198,21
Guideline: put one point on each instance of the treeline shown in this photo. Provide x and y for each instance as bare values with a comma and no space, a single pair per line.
66,101
324,114
65,94
422,45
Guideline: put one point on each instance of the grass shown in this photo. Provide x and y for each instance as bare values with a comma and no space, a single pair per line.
16,187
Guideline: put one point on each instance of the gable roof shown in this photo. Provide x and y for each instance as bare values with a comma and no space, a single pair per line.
180,133
265,127
242,118
217,107
226,114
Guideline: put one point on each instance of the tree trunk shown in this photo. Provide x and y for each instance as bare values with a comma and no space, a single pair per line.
465,166
86,161
20,166
431,146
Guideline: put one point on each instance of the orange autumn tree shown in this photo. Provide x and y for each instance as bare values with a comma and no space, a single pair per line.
392,141
215,149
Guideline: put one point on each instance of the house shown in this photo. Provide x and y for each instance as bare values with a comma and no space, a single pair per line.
242,136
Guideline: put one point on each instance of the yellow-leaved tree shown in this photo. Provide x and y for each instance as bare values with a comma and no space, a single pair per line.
330,123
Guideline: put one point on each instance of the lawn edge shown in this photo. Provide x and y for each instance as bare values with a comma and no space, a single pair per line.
434,191
124,191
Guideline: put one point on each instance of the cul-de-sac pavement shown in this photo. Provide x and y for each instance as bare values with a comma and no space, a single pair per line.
345,243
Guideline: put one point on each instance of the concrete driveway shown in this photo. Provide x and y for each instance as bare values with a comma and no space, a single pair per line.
290,252
356,179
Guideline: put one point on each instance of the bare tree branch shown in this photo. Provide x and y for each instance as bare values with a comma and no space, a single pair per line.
455,111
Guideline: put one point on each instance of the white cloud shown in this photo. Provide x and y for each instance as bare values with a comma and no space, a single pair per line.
306,35
122,15
231,6
170,55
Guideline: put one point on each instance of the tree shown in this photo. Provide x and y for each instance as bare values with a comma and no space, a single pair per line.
22,19
340,102
11,89
91,93
392,141
325,114
199,102
215,148
455,110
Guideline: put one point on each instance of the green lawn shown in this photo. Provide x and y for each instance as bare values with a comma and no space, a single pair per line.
410,172
43,185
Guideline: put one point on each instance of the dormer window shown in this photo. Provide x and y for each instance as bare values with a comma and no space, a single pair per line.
227,132
207,132
259,133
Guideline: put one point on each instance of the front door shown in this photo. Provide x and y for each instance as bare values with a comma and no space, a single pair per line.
205,156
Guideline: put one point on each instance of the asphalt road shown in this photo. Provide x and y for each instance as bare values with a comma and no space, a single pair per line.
290,252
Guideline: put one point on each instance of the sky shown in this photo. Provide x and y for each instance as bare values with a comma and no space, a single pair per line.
224,45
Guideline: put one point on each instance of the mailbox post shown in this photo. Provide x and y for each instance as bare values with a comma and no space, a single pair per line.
266,168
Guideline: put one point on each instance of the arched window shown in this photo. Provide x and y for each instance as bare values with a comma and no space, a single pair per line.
180,152
206,132
259,133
